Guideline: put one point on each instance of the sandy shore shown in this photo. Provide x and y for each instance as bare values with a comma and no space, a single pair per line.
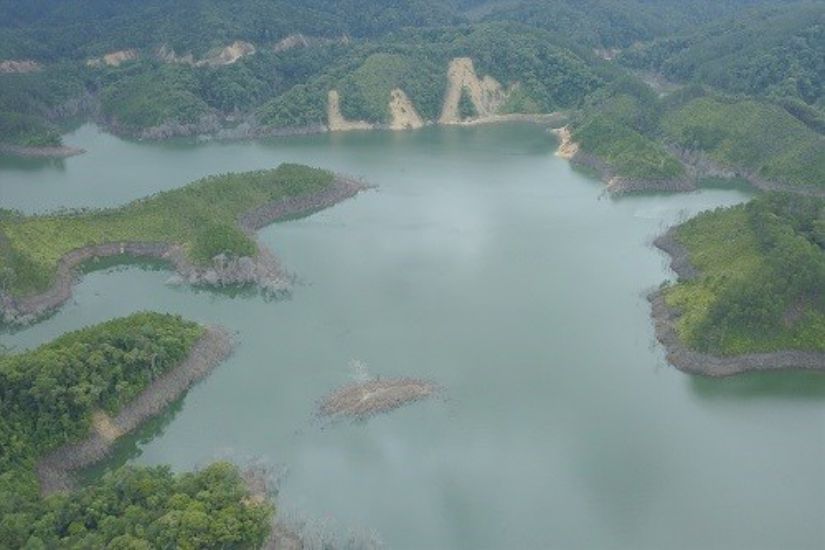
54,471
263,270
693,362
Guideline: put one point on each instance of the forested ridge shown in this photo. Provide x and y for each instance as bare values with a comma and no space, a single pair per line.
164,83
648,137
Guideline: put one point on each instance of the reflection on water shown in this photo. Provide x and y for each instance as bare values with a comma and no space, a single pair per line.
128,447
761,385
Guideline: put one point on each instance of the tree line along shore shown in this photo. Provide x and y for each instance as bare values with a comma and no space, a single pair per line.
749,294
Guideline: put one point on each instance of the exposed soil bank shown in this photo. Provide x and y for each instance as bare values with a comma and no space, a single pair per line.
54,471
262,270
363,400
693,362
60,151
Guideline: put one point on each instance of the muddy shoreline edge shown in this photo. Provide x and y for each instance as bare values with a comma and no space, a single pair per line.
54,470
693,362
262,271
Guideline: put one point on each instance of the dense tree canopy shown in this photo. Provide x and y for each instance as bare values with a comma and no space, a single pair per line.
762,273
47,397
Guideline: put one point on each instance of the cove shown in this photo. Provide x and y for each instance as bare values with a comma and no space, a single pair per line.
486,264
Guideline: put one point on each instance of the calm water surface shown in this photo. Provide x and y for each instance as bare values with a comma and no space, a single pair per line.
484,263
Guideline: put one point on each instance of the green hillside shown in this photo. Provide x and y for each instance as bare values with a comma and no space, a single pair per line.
746,299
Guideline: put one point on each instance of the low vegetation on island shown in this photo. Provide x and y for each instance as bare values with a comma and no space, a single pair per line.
49,397
206,225
752,277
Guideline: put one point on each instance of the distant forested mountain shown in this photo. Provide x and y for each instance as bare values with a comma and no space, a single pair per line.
776,52
59,29
155,69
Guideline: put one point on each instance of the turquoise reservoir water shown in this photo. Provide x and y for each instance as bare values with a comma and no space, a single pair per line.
488,265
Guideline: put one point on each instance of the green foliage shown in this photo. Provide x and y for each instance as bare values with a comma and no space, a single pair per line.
549,77
30,102
466,107
200,216
775,52
152,508
629,153
150,95
619,127
299,107
617,23
213,239
27,130
367,90
47,397
78,29
748,298
760,138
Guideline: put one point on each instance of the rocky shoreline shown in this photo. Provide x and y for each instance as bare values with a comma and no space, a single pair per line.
693,362
262,270
54,471
697,164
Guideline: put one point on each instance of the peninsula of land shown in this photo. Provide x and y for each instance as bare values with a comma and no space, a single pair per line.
205,231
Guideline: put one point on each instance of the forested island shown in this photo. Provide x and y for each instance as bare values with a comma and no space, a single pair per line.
205,230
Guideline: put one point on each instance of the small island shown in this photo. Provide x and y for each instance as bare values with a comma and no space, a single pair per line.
205,230
362,400
65,403
750,290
